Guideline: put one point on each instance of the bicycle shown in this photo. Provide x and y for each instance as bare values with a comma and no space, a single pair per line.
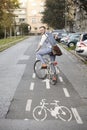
48,72
62,112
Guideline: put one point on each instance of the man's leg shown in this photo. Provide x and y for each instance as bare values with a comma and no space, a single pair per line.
52,57
41,53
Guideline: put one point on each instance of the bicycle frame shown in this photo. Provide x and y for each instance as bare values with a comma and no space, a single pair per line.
43,73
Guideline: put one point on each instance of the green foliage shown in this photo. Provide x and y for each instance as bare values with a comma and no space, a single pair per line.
24,28
54,13
8,42
6,13
84,4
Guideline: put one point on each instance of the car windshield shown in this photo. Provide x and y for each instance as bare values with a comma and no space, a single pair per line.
74,36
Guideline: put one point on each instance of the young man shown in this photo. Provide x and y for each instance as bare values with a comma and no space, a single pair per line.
44,47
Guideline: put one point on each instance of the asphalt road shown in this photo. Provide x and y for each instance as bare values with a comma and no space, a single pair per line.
22,93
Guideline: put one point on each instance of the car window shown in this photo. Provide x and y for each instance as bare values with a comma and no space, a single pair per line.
84,37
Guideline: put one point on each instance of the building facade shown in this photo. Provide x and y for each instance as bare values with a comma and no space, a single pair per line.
20,15
34,13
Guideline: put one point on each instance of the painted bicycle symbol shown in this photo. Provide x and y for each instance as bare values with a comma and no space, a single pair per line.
62,112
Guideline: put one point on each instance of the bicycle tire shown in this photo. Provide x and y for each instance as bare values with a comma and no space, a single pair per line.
53,82
39,113
40,73
67,116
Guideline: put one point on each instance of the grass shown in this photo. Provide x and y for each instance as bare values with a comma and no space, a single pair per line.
8,42
71,49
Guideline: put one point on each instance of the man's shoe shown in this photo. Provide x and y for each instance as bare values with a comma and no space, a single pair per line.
44,66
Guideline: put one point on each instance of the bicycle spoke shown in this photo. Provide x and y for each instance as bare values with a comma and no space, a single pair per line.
40,73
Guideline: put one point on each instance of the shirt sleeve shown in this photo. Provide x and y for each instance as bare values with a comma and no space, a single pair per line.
43,39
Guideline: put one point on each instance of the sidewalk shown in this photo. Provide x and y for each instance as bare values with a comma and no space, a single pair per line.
81,58
74,53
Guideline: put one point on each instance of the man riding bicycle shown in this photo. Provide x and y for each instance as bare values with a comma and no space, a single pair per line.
44,48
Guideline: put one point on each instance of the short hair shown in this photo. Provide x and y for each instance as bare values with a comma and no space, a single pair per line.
42,27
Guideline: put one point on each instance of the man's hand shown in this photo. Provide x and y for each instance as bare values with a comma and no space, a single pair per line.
38,48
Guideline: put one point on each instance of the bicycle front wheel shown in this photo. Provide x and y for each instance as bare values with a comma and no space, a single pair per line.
64,113
40,73
39,113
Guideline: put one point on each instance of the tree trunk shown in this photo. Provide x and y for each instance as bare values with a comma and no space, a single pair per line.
10,31
5,31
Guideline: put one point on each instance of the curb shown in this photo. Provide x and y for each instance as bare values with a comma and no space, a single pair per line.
74,53
81,58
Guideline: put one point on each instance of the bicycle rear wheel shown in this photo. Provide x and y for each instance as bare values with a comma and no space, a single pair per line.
53,77
40,73
53,82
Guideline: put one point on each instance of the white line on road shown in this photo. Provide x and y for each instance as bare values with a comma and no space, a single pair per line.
66,92
61,79
32,86
47,83
33,76
77,116
25,57
28,105
57,70
26,119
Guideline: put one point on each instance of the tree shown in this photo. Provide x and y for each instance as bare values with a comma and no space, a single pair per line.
24,28
83,4
8,6
70,14
6,13
53,14
7,23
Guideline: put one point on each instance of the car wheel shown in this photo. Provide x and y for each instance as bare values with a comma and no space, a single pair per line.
71,44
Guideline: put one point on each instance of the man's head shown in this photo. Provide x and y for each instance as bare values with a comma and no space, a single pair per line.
42,29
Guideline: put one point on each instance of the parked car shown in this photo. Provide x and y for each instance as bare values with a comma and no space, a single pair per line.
65,38
81,47
58,34
73,39
83,37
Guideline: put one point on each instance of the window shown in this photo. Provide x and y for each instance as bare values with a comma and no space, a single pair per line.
21,20
34,20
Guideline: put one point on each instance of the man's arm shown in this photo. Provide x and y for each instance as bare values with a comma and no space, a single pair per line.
41,42
38,48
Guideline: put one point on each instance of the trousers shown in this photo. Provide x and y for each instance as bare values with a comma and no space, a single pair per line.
44,51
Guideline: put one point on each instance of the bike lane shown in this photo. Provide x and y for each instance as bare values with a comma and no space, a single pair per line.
30,93
32,90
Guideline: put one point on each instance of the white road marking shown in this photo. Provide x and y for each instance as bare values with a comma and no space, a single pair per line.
77,116
57,70
25,57
47,83
61,79
66,92
28,105
26,119
33,76
32,86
